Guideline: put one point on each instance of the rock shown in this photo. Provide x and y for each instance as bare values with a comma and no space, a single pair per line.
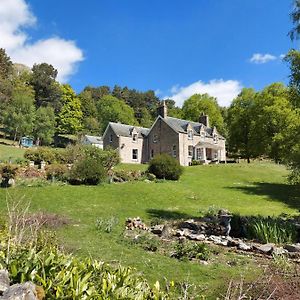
244,247
157,229
265,249
203,262
196,237
214,238
25,291
166,231
292,248
279,251
189,224
4,281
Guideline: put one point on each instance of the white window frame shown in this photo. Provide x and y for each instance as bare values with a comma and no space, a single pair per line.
155,138
199,153
134,137
190,150
190,134
110,138
135,154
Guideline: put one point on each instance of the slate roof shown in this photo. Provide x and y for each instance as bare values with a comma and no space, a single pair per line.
94,139
181,126
126,130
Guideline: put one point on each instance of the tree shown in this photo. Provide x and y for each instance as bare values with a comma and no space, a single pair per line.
111,109
44,125
173,110
6,65
293,60
97,93
70,116
19,115
197,104
271,116
145,118
241,122
295,16
47,90
6,70
88,105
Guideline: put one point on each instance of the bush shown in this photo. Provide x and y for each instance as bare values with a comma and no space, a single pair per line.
190,250
7,172
163,166
41,154
64,276
87,171
57,172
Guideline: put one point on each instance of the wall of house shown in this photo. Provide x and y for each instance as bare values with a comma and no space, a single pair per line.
127,145
222,152
184,143
167,138
106,139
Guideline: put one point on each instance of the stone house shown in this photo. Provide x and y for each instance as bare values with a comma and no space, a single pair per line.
182,139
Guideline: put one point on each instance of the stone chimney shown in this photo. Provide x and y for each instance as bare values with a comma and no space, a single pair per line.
162,110
204,119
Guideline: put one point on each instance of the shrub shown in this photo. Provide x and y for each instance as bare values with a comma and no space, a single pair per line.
7,172
87,171
41,154
106,225
163,166
189,250
57,172
271,230
67,277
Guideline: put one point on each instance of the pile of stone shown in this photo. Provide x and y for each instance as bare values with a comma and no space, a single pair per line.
24,291
135,223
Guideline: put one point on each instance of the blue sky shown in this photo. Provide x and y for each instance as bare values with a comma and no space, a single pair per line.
174,47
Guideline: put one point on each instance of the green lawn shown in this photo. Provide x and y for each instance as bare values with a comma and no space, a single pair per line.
9,152
257,188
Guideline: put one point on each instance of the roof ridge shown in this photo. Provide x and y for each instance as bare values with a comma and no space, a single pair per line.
189,121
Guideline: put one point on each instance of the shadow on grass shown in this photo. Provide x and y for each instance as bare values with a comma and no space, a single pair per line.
168,214
285,193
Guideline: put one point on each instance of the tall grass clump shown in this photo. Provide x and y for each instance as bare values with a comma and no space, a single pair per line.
271,230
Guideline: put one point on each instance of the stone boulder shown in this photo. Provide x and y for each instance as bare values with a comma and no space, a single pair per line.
25,291
4,281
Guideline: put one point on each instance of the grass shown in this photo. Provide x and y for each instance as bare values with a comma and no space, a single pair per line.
9,152
255,189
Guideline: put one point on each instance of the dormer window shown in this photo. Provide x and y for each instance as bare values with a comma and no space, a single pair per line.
190,134
134,137
216,139
202,134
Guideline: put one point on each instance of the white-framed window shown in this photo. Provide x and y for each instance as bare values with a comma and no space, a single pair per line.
216,155
134,137
155,138
110,138
199,153
134,154
174,151
190,134
216,139
202,135
190,151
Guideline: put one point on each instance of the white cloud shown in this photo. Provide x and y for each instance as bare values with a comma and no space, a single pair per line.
224,90
259,58
15,17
